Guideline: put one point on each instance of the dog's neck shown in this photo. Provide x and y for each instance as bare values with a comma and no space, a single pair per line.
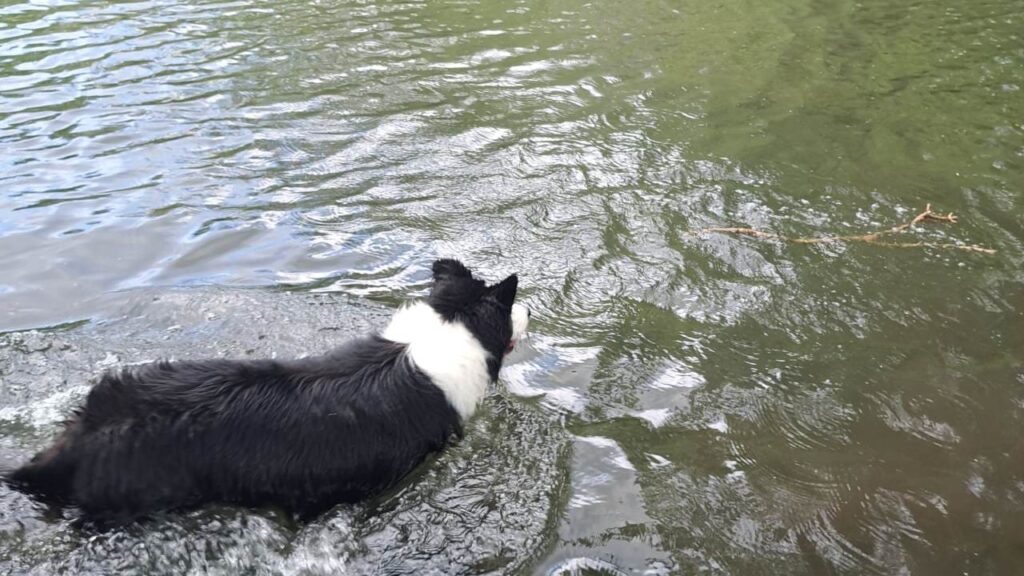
445,351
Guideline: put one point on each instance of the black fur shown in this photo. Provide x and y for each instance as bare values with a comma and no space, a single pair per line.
301,434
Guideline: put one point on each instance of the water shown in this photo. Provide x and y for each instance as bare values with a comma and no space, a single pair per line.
264,177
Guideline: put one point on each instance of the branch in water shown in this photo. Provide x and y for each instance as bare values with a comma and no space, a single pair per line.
872,238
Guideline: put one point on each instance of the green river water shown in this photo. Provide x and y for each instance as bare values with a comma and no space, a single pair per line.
263,178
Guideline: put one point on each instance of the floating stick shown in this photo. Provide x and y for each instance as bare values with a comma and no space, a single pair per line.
872,238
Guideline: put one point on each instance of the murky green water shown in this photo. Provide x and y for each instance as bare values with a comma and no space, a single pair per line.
687,404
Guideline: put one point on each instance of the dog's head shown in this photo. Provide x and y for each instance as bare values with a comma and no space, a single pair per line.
489,312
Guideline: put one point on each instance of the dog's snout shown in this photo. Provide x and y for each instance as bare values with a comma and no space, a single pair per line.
520,320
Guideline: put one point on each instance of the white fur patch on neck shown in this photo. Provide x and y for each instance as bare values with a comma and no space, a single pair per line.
445,351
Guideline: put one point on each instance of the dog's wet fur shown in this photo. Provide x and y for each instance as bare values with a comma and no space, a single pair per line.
302,435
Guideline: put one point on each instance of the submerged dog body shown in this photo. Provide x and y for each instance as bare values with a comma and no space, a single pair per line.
302,434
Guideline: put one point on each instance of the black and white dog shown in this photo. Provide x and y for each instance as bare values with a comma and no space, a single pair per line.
303,434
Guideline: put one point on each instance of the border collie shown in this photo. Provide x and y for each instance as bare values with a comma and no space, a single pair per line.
302,435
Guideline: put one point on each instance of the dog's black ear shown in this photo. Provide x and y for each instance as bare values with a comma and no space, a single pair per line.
505,291
450,267
452,296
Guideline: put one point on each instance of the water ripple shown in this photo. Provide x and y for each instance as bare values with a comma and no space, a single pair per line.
794,408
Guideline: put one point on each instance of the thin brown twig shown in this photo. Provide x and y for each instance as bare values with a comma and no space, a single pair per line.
927,215
743,231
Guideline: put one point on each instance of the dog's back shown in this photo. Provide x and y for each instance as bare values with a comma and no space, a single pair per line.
301,434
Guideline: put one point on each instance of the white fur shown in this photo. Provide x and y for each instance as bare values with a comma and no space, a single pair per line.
520,320
446,351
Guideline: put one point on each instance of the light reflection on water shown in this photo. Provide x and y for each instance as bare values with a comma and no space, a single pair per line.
729,405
